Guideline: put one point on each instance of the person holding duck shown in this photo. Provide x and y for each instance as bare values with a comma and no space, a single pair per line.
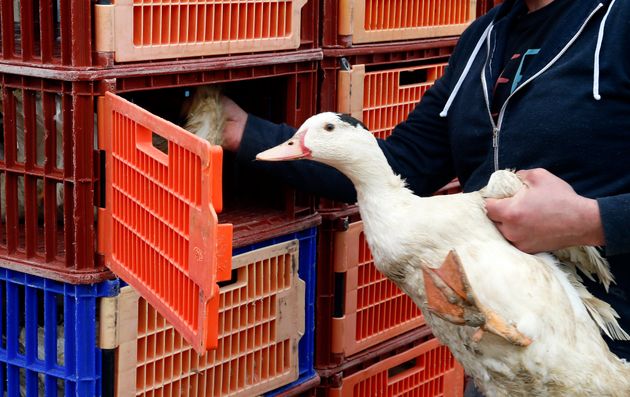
538,86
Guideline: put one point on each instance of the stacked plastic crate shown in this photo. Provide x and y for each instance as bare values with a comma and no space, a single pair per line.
380,57
86,88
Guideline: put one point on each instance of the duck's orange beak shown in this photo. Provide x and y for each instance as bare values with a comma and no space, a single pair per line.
293,149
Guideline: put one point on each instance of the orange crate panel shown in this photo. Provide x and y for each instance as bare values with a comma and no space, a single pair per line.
375,309
384,98
369,21
261,319
427,370
159,231
146,29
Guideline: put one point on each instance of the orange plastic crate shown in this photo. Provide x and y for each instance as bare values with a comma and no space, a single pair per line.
261,319
159,231
143,29
369,21
384,98
426,370
375,309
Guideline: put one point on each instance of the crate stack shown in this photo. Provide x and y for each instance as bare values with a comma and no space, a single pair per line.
139,260
206,304
380,57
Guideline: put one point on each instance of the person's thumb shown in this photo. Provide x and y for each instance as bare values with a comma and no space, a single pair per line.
495,208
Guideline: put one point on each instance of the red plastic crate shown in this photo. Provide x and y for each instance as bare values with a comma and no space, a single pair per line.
159,231
384,98
261,319
425,370
357,308
355,22
49,170
80,34
174,29
374,308
360,66
58,124
66,251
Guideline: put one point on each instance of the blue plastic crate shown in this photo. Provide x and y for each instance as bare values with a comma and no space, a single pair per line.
306,271
34,311
304,378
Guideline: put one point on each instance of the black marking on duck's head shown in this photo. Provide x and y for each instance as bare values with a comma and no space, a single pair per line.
346,118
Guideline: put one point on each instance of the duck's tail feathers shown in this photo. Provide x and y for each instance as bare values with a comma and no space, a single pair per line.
601,312
588,261
205,117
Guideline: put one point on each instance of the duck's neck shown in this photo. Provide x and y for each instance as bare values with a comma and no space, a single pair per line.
381,194
373,177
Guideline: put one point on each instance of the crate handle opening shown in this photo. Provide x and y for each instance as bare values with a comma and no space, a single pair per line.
401,368
413,77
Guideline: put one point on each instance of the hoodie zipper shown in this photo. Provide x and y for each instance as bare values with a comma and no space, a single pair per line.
496,127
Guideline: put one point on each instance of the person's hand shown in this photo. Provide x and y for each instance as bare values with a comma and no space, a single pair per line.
546,215
235,120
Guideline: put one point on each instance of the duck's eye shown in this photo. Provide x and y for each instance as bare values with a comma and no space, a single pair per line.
329,127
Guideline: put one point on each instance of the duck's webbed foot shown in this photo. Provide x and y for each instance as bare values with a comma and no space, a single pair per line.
451,298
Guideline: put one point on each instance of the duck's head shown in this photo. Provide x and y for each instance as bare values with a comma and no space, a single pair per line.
329,138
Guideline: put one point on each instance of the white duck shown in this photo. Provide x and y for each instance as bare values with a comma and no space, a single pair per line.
520,324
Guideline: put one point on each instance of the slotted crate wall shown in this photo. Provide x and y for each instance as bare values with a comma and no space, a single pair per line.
81,34
357,307
427,369
50,166
174,29
384,98
306,272
49,171
159,230
265,310
49,336
404,72
374,308
350,23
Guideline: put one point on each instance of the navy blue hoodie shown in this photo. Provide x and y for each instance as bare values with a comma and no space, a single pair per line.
570,115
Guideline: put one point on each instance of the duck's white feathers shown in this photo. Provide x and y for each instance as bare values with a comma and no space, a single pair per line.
601,312
546,302
205,115
588,261
532,292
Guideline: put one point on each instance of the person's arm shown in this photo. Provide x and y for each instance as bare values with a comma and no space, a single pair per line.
615,218
418,149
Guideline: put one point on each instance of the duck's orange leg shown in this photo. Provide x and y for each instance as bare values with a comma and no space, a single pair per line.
450,297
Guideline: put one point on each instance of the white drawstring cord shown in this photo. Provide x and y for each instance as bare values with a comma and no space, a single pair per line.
598,48
471,59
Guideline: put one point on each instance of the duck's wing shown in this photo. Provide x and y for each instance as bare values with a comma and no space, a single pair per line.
601,312
502,184
588,261
450,297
